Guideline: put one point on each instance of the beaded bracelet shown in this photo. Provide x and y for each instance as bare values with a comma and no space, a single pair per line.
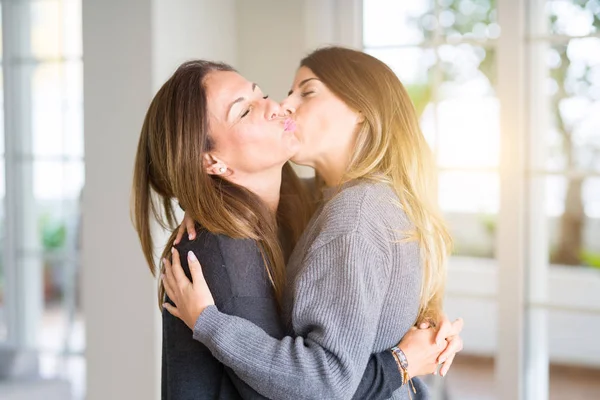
402,363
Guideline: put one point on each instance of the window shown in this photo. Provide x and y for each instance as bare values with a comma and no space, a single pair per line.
446,52
41,179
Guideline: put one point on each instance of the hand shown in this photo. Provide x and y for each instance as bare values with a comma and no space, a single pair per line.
190,297
421,350
450,332
189,225
437,346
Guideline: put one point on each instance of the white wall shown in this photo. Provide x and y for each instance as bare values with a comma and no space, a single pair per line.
184,29
120,335
274,35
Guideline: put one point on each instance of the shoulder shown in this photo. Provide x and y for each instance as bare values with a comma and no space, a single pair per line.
366,208
211,246
233,266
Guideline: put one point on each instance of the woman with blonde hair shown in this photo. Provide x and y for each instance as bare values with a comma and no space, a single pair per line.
215,143
371,262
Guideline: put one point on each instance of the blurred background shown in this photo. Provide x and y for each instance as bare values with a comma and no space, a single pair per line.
508,93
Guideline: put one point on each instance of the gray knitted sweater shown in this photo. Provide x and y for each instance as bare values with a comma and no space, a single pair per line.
353,289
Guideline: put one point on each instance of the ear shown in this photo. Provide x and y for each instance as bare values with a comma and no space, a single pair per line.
213,165
360,117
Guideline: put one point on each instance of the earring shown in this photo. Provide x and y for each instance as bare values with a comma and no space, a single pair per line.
222,170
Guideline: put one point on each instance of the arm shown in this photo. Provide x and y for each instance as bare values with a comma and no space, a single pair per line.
380,379
249,348
328,359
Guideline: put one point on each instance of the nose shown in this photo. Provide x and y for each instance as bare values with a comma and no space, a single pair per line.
287,108
274,110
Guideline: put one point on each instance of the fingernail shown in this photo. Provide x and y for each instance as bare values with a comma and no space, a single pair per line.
172,250
192,256
442,360
162,277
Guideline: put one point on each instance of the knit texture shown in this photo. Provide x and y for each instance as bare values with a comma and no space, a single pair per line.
353,290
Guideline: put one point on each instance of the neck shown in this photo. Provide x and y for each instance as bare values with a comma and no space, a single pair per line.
266,185
333,166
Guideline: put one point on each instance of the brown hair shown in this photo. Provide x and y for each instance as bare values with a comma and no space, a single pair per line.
391,148
169,165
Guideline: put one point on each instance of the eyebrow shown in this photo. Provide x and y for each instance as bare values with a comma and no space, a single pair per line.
302,84
239,99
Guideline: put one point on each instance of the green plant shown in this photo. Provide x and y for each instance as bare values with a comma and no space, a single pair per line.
53,232
590,258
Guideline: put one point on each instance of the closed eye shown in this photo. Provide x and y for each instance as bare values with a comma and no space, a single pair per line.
306,93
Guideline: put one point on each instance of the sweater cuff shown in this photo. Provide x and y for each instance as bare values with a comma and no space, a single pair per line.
208,323
390,364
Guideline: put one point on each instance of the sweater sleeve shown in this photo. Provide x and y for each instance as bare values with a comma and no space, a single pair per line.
381,378
336,315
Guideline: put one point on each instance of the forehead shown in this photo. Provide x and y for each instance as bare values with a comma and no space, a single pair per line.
222,88
302,74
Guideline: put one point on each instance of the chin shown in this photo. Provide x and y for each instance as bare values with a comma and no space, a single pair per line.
299,159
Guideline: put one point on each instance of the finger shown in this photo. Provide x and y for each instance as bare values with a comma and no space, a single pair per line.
171,294
180,233
444,331
457,326
446,366
191,228
172,310
195,268
424,325
180,279
455,344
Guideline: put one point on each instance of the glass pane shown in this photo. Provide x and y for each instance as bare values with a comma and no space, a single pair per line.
1,109
50,213
54,311
55,28
392,22
469,19
573,209
573,18
470,201
57,113
574,91
472,375
1,52
573,350
468,112
414,67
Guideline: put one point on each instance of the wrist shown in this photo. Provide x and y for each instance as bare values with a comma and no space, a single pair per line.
403,367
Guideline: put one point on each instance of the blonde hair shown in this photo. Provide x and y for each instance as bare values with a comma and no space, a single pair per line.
391,148
169,165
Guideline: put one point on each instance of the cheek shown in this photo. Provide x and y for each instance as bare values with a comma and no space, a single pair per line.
322,121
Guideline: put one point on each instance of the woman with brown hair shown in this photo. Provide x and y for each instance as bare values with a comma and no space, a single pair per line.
212,141
371,262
